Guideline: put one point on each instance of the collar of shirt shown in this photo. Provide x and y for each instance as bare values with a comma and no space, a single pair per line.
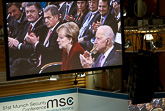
106,54
54,27
93,13
141,108
61,4
118,16
51,32
104,17
70,4
19,21
34,23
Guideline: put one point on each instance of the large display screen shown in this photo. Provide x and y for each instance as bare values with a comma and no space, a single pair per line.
59,37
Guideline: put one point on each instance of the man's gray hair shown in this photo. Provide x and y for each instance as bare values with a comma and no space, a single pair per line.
108,32
52,8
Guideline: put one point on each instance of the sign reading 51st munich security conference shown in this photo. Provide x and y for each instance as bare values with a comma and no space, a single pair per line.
66,102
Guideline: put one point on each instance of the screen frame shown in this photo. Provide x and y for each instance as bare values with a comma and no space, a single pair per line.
58,72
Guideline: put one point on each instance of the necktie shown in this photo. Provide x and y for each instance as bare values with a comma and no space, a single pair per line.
67,9
30,29
45,42
66,12
89,17
100,61
47,38
83,28
101,20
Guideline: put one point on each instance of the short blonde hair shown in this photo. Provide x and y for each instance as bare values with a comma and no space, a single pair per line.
71,30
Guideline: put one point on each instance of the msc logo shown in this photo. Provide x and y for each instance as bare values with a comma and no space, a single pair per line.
60,102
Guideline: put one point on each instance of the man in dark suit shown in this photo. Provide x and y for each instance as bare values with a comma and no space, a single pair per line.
45,47
18,46
69,9
141,107
104,18
17,19
149,106
116,12
21,48
104,44
89,19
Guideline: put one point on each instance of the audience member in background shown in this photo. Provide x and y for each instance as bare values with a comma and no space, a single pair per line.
158,109
18,18
23,6
104,44
131,107
61,4
82,9
68,10
89,19
68,42
36,25
116,12
105,18
163,104
141,107
116,9
157,102
149,106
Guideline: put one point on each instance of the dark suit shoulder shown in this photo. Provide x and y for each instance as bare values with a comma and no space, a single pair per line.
114,58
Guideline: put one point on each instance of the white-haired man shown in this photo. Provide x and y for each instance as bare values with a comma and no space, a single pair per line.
104,44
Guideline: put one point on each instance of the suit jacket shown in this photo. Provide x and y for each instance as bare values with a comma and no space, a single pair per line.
72,61
90,23
51,53
79,20
15,27
110,21
39,29
114,58
86,44
72,11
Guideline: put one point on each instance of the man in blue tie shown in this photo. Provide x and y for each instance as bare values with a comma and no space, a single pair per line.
104,44
103,18
89,19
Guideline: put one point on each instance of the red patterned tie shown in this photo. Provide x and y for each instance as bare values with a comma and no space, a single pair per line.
46,40
30,29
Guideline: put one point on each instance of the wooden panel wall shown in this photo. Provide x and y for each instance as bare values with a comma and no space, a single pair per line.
1,13
38,85
161,8
161,69
2,59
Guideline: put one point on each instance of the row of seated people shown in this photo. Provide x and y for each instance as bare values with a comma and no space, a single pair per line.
38,38
157,104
